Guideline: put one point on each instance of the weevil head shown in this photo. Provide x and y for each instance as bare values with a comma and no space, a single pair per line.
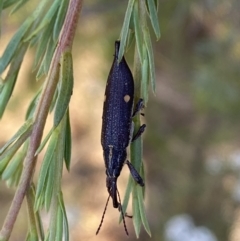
112,190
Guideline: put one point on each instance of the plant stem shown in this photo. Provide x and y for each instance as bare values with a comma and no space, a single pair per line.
65,41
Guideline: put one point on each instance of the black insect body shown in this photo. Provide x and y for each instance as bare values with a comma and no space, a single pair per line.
117,128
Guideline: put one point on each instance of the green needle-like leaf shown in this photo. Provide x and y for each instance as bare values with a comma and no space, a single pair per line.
18,5
59,231
66,86
11,79
44,142
68,143
126,197
148,43
46,20
48,192
142,210
153,17
48,55
60,19
14,44
26,127
125,27
65,220
14,164
48,158
10,152
8,3
138,32
136,211
1,8
145,77
43,40
32,105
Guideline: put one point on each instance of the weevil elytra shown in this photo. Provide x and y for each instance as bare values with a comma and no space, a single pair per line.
117,128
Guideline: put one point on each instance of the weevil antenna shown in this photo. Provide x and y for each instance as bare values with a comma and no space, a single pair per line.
105,209
120,206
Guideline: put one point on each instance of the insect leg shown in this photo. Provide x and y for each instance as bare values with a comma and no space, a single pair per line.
139,106
128,216
139,132
135,174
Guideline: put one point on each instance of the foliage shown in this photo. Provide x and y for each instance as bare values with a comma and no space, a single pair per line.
49,29
53,60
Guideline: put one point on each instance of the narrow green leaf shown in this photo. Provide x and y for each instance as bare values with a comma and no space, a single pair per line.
59,156
145,78
14,44
8,3
131,34
126,197
55,96
1,8
59,231
48,158
32,230
138,32
60,19
153,17
8,154
65,220
11,79
142,210
136,211
125,27
46,20
32,106
68,143
13,181
4,162
49,53
14,164
148,43
38,14
42,45
66,86
7,92
156,2
31,236
49,184
37,215
26,127
130,39
47,236
39,203
18,5
44,142
41,71
45,60
1,84
142,174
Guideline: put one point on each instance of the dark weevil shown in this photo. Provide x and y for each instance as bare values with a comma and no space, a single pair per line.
117,128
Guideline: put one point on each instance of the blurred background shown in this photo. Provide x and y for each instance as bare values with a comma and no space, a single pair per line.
192,141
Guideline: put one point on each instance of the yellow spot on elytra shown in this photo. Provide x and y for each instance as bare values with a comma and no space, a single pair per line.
126,98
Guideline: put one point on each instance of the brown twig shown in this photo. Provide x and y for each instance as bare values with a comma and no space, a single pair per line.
65,41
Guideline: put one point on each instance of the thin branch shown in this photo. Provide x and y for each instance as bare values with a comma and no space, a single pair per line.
65,41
